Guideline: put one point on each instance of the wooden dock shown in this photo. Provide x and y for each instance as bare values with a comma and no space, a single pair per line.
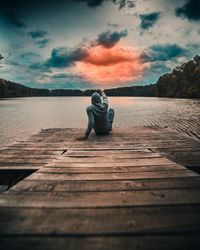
136,188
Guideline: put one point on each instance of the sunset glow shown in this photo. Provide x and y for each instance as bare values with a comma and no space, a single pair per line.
105,66
83,44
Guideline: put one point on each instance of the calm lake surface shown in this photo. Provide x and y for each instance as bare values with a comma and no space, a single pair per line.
21,117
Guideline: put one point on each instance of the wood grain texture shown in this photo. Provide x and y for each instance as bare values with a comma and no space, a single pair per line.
127,190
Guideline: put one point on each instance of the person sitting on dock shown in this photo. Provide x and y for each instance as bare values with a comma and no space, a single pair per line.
100,118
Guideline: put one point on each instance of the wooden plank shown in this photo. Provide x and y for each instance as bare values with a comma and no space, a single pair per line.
23,161
49,148
144,144
100,199
131,220
118,155
114,148
111,176
109,169
127,147
21,164
21,156
107,162
134,161
113,152
101,140
109,185
11,151
100,164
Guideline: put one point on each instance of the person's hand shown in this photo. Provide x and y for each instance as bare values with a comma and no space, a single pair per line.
82,138
101,90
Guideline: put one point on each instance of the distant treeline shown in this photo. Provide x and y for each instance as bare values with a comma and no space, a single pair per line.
182,82
11,89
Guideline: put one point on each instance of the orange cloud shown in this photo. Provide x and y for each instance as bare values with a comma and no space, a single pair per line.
105,66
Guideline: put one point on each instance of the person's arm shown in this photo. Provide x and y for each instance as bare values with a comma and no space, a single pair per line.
90,122
105,98
89,126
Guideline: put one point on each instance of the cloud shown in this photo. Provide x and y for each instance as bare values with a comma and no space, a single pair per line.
193,46
101,61
121,3
92,3
1,57
125,3
110,66
15,20
28,58
95,64
43,43
39,37
109,39
37,34
148,20
64,57
106,57
164,52
159,68
28,55
60,75
190,10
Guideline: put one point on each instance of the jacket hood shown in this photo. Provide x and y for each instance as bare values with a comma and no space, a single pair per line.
96,99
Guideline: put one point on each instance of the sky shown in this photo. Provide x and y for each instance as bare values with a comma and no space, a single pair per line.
95,43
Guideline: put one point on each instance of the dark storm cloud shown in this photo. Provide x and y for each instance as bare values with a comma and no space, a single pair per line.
109,39
37,34
121,3
124,3
61,58
92,3
148,20
13,19
190,10
165,52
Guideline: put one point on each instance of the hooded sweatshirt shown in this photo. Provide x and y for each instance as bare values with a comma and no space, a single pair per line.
97,114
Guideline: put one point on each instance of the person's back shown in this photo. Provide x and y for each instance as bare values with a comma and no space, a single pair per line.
99,117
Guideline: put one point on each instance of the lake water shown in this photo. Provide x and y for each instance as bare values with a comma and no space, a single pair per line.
21,117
